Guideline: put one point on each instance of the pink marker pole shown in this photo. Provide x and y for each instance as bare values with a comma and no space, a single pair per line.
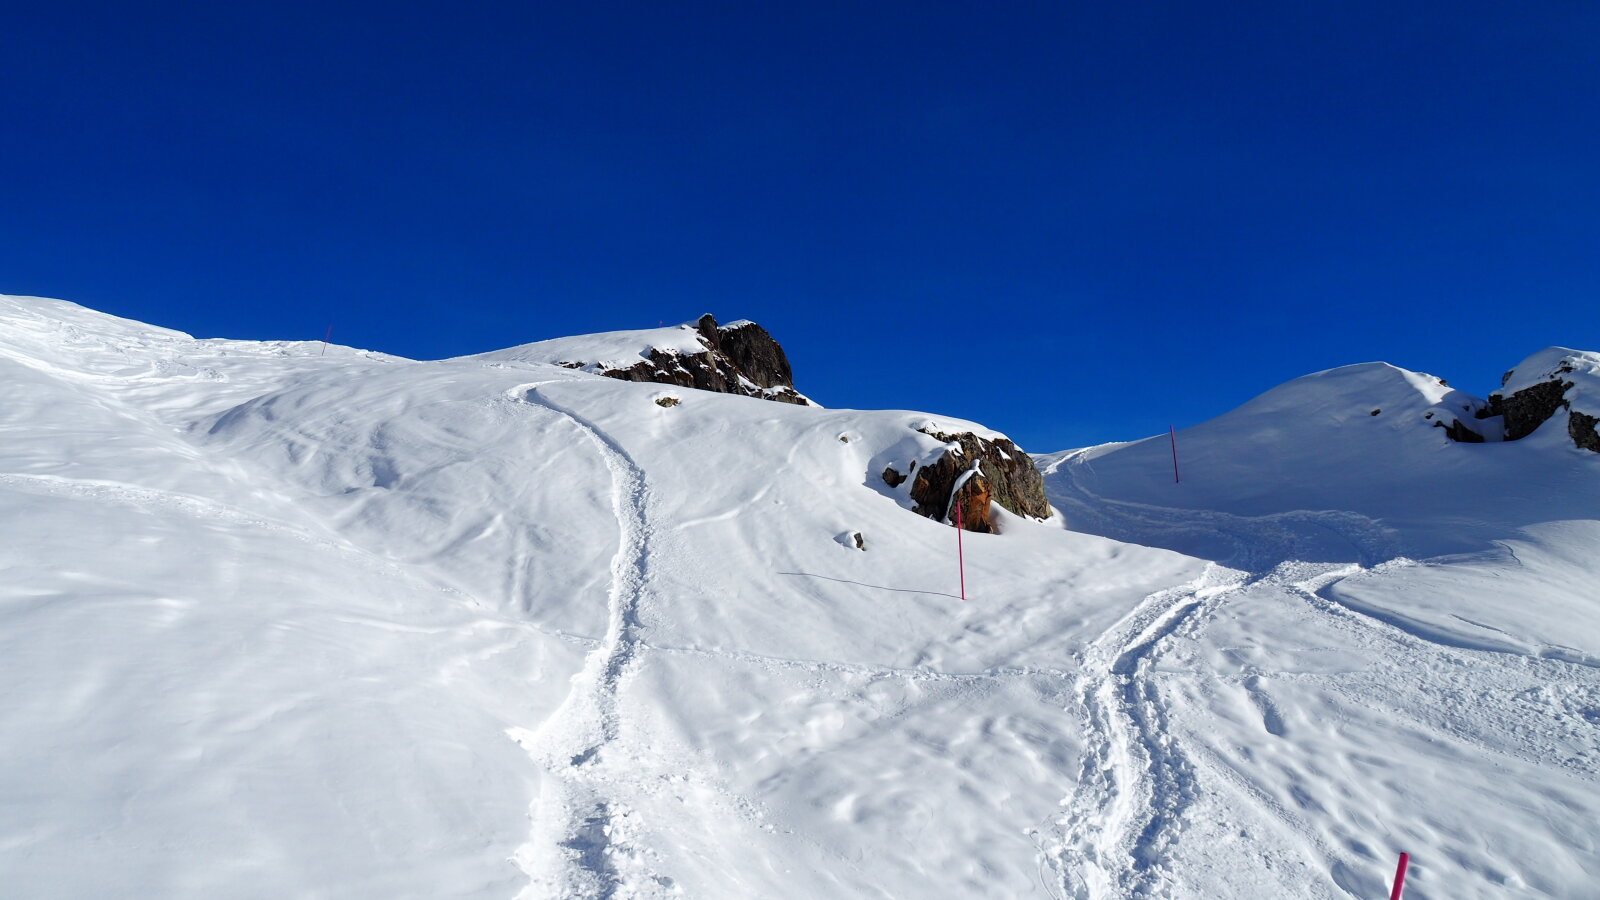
1172,433
961,559
1400,876
325,339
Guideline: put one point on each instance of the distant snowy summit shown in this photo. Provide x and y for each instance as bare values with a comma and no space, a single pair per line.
737,358
1364,462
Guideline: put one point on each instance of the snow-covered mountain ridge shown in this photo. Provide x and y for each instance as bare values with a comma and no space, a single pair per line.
275,623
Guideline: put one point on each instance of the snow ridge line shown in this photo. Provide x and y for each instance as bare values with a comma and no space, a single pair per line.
574,812
1126,813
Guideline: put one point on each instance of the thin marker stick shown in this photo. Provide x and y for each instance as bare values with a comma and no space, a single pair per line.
1172,433
325,341
961,560
1400,876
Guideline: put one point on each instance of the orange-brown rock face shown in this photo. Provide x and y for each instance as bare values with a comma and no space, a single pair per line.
1005,476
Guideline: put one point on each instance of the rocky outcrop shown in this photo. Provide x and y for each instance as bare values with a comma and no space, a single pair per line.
972,473
1555,373
1553,380
754,352
1454,427
1582,430
1459,432
741,358
1528,408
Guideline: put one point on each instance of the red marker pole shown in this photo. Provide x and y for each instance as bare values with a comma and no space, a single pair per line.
325,339
961,559
1400,876
1172,433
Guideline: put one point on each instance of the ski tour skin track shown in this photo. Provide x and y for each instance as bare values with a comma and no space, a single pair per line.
575,806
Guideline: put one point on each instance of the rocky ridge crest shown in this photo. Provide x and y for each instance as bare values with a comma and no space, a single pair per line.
739,358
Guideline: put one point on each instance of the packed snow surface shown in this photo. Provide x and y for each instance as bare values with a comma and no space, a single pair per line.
276,623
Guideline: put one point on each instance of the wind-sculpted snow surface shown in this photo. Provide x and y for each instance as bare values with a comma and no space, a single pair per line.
279,624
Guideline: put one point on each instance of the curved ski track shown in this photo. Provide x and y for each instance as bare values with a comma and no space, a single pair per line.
1125,816
1117,830
1135,782
577,811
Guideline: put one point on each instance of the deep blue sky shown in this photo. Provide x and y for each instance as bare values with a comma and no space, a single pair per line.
1074,222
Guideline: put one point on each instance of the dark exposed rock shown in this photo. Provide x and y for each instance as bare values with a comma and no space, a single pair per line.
1005,475
739,359
667,401
1375,412
1582,429
892,478
752,350
861,542
1532,406
1457,431
1528,408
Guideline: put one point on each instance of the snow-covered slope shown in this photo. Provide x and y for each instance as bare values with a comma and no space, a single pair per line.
280,624
1361,441
1348,466
1417,640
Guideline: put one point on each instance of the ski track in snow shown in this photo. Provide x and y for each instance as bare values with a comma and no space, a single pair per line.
1139,776
1120,827
582,820
1134,783
578,808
